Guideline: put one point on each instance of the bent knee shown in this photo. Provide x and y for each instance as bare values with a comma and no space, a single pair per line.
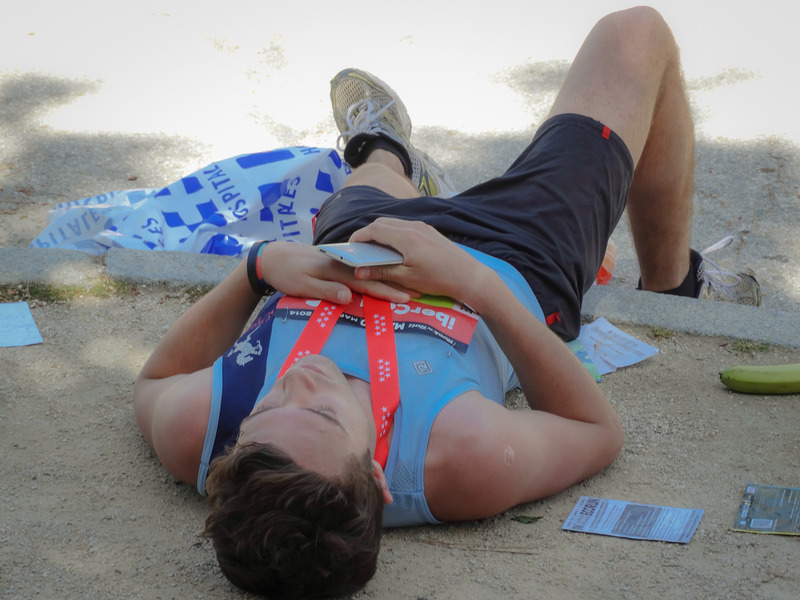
640,19
641,33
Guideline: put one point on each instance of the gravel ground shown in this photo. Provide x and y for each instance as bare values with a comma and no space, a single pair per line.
100,96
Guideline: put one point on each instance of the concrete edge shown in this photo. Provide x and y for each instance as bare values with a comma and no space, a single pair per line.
627,305
619,305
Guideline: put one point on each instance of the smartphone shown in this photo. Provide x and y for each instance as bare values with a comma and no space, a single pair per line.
362,254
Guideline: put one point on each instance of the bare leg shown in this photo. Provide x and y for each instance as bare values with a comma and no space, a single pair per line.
627,75
384,170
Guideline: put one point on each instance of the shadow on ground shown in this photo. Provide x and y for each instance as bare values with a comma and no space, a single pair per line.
747,189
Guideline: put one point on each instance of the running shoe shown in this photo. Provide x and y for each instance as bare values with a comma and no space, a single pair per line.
718,284
362,103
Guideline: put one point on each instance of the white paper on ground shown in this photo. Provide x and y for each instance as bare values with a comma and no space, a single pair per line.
610,348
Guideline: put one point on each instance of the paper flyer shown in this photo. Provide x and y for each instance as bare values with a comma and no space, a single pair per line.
619,518
769,509
610,348
17,327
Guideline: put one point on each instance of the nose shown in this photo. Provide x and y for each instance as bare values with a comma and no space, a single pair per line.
298,384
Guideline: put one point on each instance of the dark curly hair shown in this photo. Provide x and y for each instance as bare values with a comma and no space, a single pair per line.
286,532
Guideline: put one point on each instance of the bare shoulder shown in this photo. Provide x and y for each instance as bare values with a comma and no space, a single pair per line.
172,414
464,444
483,459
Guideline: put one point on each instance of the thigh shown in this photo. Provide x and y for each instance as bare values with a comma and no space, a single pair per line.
549,216
617,73
554,210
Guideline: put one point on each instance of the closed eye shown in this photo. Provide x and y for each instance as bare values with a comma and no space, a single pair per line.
326,412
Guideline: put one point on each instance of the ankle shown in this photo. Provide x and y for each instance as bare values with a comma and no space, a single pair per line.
387,159
362,146
690,286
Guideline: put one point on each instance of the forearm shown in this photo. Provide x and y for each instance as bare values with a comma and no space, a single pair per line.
206,330
552,378
212,325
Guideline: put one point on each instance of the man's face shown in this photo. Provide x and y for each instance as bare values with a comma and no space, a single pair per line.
313,414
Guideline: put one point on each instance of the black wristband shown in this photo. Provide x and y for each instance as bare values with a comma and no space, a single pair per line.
260,287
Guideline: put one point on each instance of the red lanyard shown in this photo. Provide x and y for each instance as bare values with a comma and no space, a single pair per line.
381,352
315,333
384,383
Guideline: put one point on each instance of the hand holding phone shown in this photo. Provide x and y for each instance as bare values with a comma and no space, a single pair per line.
362,254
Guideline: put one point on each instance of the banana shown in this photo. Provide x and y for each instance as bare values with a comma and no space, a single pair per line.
777,379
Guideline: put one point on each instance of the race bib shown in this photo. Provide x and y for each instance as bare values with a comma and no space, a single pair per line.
439,317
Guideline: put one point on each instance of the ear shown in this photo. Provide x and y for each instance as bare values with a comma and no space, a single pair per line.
380,477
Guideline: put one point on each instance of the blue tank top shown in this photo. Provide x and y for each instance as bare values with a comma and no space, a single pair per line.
433,370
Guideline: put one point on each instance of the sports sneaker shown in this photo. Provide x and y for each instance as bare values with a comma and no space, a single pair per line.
362,103
717,284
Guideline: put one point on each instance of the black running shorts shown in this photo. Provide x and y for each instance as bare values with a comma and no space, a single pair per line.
550,215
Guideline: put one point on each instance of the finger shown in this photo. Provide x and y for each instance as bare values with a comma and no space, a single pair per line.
400,276
397,276
389,294
339,294
384,230
384,291
362,235
332,291
340,289
375,273
378,285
